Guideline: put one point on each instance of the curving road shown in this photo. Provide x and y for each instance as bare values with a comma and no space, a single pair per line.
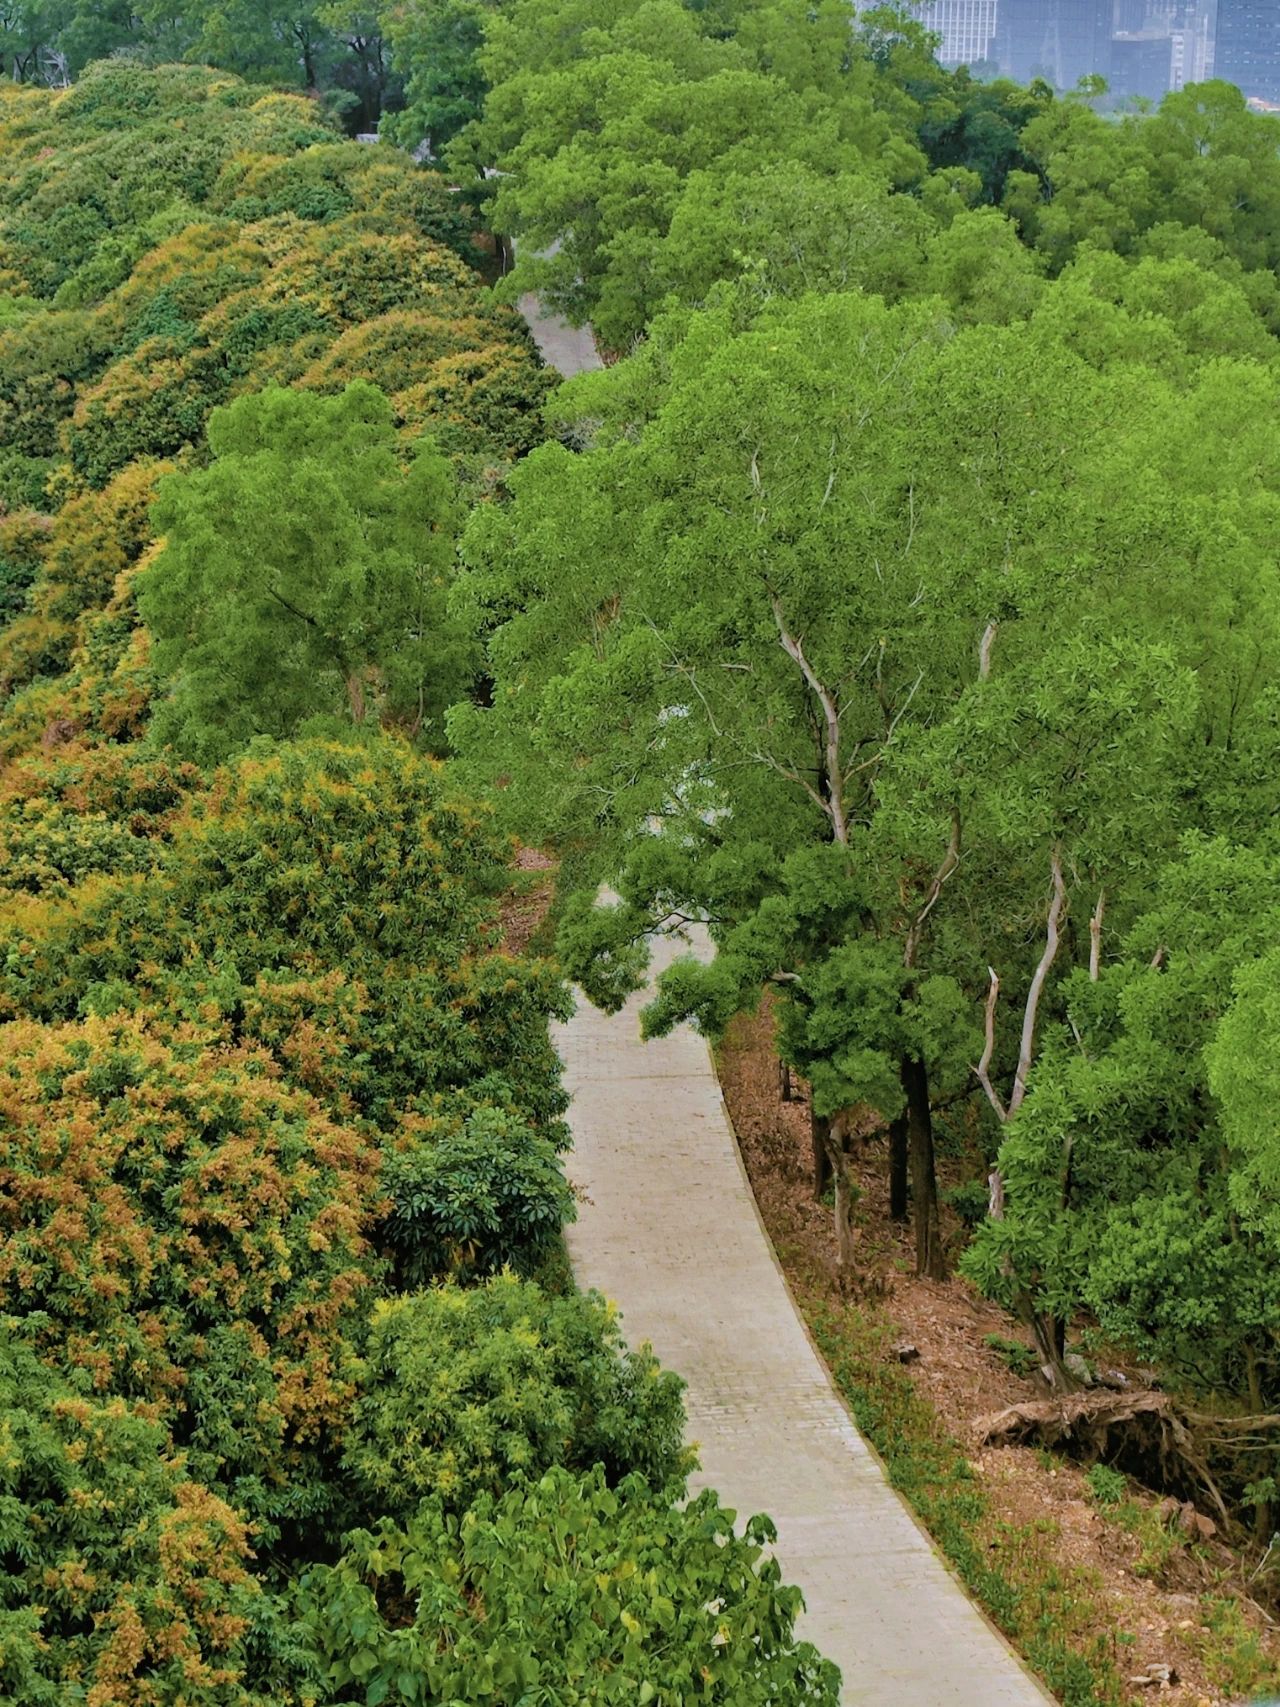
568,349
670,1231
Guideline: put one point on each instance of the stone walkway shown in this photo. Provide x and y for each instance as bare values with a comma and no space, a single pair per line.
671,1233
568,349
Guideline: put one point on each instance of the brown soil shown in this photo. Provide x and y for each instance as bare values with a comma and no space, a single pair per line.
525,905
964,1379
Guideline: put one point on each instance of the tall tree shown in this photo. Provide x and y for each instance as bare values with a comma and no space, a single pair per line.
305,570
739,616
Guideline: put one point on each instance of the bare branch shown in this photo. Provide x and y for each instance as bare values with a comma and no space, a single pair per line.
950,860
983,1069
791,775
1157,959
892,724
1038,982
834,804
984,650
1095,937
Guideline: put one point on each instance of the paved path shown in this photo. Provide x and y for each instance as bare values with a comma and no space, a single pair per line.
670,1232
568,349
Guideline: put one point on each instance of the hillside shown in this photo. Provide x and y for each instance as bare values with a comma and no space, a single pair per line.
898,600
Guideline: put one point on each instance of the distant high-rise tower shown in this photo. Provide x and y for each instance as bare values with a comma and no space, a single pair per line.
967,27
1192,57
1248,46
1059,40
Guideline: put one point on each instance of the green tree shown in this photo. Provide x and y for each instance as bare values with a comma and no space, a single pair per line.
304,569
468,1391
438,43
745,660
1129,1192
651,1602
598,120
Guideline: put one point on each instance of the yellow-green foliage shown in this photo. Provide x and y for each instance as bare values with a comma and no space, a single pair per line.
192,1232
80,810
170,240
119,1572
82,552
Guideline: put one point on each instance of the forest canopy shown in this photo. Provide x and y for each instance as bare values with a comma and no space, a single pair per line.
899,600
281,1124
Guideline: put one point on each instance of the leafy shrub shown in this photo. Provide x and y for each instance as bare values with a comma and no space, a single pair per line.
22,540
491,1194
1107,1486
42,362
1021,1358
356,853
120,1579
183,1229
78,811
305,859
470,1388
970,1201
647,1604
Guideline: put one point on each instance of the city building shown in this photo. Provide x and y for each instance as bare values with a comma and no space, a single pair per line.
1247,51
1191,40
1142,63
967,28
1059,40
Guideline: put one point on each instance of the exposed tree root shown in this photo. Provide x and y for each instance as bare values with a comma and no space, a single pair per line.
1144,1431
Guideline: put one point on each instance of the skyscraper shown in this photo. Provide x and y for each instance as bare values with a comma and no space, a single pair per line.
967,28
1248,46
1059,40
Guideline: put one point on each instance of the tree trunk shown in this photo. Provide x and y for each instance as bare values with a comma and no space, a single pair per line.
838,1163
898,1168
355,697
1050,1334
930,1260
820,1132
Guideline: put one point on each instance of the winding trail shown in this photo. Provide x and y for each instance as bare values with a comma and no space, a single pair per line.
670,1231
568,349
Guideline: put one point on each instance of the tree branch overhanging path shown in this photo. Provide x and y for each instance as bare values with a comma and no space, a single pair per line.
670,1231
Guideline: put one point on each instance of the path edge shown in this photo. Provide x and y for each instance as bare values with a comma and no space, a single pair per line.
1036,1681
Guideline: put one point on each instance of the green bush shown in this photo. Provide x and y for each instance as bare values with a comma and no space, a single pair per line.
467,1389
1021,1358
970,1200
185,1230
114,1566
493,1194
567,1591
1107,1486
